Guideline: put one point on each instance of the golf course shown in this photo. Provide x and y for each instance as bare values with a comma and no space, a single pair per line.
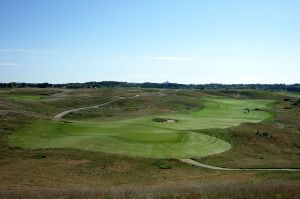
144,137
136,139
149,99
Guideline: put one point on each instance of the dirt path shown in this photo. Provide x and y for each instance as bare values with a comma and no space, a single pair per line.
60,115
198,164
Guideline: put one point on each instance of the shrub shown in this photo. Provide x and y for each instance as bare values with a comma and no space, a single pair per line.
162,164
39,155
263,134
165,166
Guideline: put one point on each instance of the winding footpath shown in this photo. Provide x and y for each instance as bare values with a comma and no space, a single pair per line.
187,161
198,164
60,115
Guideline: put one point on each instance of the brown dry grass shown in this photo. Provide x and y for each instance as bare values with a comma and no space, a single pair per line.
67,168
281,150
189,191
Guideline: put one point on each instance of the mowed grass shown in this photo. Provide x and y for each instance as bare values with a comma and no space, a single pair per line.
142,137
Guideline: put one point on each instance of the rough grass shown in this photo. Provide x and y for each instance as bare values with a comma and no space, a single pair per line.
249,150
70,169
290,94
189,191
279,149
28,94
148,104
57,100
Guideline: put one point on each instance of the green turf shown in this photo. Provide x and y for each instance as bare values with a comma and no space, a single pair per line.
143,137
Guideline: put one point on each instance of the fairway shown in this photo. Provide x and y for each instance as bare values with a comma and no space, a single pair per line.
142,137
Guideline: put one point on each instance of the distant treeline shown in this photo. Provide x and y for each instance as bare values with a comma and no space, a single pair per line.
166,85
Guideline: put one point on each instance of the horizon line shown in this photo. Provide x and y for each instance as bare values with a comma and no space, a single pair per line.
166,82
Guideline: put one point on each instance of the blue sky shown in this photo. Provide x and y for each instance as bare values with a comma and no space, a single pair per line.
184,41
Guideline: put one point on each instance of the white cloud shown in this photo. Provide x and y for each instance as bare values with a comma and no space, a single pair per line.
8,64
170,58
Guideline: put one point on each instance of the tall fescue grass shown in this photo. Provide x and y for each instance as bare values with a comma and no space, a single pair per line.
278,190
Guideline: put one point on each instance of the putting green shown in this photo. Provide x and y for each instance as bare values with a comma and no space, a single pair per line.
143,137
